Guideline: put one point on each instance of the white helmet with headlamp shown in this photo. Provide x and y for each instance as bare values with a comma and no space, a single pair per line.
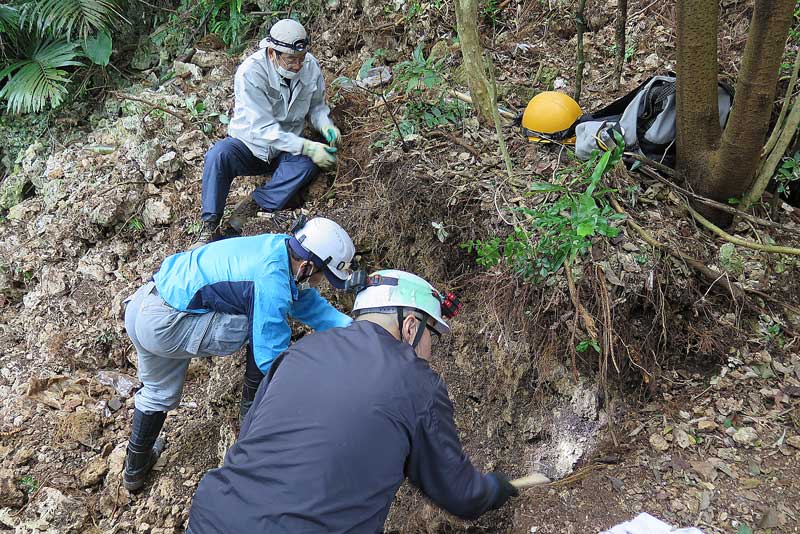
325,244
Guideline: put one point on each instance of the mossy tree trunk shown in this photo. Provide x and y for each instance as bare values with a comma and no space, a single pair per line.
717,163
472,52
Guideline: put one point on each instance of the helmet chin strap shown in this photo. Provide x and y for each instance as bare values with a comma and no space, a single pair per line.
302,279
420,326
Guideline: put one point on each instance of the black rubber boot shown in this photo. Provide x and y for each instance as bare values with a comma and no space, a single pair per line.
252,379
144,448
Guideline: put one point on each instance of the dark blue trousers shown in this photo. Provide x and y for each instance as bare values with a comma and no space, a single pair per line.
230,158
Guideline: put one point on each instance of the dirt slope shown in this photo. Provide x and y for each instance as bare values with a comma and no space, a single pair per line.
704,422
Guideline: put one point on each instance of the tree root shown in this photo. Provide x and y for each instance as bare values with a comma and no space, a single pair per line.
699,198
772,249
709,274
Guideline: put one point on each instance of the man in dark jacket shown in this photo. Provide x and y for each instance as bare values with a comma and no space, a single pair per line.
342,418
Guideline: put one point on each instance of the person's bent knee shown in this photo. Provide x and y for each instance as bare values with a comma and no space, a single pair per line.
147,402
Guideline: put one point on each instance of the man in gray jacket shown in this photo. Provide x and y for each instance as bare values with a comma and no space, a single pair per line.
277,89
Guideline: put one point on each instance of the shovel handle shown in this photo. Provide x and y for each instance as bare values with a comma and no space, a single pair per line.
536,479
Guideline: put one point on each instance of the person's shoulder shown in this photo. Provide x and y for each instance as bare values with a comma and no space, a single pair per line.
312,64
252,68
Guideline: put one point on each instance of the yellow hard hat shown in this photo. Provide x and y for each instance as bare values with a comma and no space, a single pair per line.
549,117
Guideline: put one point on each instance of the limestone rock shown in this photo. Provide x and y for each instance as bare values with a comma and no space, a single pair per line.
189,70
60,512
10,495
658,442
156,213
93,472
745,435
208,58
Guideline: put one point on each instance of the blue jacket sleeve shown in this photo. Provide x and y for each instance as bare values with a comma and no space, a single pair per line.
317,312
271,332
439,467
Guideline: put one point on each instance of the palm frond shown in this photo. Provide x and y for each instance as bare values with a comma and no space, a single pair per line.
9,19
63,17
9,28
39,78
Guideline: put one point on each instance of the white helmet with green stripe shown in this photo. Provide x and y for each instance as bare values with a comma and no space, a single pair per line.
394,289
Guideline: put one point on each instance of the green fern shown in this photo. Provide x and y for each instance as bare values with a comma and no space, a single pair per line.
62,17
39,77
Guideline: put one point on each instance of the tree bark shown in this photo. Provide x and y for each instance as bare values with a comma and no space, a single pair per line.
721,164
697,119
472,52
580,23
619,60
748,122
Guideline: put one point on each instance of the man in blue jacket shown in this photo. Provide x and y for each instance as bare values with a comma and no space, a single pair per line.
215,299
342,418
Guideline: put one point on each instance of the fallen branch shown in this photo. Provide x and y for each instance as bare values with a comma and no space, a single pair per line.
719,205
468,99
708,273
183,119
460,142
772,249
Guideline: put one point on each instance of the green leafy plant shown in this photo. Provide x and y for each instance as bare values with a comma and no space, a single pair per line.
630,51
42,42
414,9
788,174
556,231
9,26
771,330
136,224
29,484
432,114
65,17
194,228
418,73
490,11
227,20
98,48
39,78
584,345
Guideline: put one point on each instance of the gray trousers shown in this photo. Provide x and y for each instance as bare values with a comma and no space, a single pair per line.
165,340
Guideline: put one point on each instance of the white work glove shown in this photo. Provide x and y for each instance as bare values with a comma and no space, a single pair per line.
331,134
321,154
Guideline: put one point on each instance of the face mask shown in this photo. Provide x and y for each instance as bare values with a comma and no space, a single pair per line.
302,281
289,75
285,73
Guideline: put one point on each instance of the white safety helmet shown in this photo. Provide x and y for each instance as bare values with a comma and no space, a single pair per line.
327,245
392,289
286,36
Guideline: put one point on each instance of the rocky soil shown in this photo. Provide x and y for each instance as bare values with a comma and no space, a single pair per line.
694,420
